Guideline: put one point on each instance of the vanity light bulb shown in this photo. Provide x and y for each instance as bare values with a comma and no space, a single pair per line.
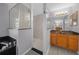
74,23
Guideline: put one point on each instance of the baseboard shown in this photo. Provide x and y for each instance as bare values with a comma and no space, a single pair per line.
26,51
47,51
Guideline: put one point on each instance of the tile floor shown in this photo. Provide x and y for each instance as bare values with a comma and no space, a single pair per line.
31,52
60,51
37,43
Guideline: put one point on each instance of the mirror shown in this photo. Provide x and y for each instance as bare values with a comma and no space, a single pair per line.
56,20
74,19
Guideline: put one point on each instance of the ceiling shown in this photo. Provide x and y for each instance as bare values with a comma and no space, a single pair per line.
38,7
57,6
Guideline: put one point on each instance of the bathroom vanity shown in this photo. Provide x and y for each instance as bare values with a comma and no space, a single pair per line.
64,39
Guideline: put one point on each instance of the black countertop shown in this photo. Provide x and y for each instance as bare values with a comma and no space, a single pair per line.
65,32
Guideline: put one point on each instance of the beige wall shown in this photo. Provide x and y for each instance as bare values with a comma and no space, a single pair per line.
37,26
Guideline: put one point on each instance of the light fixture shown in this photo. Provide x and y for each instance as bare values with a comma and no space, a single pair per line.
74,23
60,13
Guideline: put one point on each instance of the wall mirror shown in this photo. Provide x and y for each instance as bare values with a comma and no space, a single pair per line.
74,18
56,20
20,17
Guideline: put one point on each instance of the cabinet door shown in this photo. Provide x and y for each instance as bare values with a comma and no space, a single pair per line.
60,40
73,43
65,41
53,39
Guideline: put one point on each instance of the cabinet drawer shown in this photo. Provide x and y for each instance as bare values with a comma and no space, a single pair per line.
54,35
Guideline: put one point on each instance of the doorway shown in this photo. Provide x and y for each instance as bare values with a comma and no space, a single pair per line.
37,32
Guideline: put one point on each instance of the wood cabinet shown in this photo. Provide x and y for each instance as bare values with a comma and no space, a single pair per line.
68,41
73,43
59,40
65,41
53,39
62,40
